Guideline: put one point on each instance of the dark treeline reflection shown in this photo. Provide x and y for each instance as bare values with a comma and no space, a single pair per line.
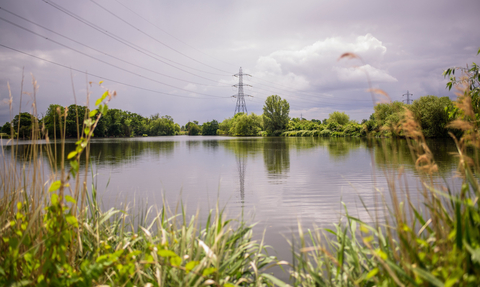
274,150
340,148
276,156
106,152
389,152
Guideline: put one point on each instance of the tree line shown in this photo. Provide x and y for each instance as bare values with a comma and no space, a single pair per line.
433,114
68,121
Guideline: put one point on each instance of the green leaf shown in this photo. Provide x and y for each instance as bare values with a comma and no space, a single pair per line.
70,199
104,96
55,185
54,199
97,102
475,253
175,261
209,271
190,265
372,273
72,220
93,113
75,166
166,253
103,109
425,275
274,280
72,154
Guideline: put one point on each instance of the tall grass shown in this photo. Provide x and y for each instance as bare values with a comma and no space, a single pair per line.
53,232
434,241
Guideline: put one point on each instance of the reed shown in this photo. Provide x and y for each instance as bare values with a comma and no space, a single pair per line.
431,242
54,233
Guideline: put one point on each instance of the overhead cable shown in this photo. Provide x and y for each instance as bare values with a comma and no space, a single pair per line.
107,54
128,43
153,38
173,36
111,80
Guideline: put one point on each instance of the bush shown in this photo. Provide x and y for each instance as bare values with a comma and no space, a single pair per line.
340,118
325,133
431,114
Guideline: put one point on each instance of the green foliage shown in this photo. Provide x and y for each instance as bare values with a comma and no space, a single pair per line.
192,128
275,114
296,124
241,125
246,125
162,126
340,118
26,122
210,128
7,128
430,112
470,81
388,114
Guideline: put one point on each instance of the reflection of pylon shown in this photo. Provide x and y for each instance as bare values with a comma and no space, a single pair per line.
241,172
241,107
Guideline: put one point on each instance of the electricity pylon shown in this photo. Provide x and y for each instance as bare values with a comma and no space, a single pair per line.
241,106
408,97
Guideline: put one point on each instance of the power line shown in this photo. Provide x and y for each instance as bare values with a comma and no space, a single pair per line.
153,38
131,10
128,43
111,80
102,61
295,90
107,54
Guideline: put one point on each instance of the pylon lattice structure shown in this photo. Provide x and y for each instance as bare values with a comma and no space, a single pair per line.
408,97
241,106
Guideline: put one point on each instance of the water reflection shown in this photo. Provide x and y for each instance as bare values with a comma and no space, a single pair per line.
241,165
276,156
340,148
210,144
393,152
109,152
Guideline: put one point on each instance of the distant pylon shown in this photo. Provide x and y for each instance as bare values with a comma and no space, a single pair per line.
241,106
408,97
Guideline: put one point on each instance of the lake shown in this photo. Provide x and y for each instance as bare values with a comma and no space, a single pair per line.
275,181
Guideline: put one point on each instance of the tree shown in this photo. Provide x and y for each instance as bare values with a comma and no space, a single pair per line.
430,112
210,128
275,114
75,112
193,129
340,118
7,128
246,125
388,115
26,122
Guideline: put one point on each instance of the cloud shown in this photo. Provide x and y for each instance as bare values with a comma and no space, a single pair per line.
358,74
316,66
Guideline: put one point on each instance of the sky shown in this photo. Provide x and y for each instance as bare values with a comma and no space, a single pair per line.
179,58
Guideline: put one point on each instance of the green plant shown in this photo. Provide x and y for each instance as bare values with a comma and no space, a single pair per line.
55,233
275,114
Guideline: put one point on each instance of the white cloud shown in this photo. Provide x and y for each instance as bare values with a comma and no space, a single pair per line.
358,74
316,66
